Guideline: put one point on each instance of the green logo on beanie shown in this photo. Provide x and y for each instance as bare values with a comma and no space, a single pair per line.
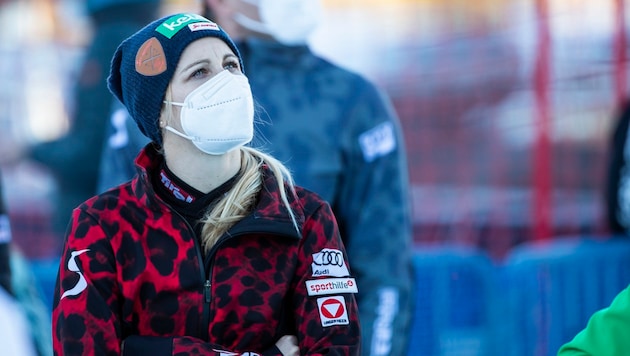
172,25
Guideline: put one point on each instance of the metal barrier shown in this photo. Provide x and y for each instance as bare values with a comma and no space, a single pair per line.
538,299
455,293
556,286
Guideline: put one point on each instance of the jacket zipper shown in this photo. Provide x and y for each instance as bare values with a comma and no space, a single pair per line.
205,319
206,291
207,267
204,323
206,275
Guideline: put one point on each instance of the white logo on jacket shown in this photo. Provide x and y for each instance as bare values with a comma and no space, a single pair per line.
331,286
329,262
73,267
230,353
378,141
332,311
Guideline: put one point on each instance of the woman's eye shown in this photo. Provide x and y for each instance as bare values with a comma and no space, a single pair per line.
231,66
199,73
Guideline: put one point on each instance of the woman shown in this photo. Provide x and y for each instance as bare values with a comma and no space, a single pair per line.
210,249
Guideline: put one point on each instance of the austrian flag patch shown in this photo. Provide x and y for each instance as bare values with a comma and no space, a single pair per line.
332,311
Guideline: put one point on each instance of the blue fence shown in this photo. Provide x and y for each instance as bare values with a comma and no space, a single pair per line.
556,287
538,299
454,298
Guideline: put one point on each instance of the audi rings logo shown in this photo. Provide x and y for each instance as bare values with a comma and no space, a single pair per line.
329,262
329,258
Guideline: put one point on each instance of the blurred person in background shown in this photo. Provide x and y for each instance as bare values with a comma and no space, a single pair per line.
24,321
340,137
211,249
14,330
74,158
618,185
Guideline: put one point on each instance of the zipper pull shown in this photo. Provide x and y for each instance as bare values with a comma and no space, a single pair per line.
206,291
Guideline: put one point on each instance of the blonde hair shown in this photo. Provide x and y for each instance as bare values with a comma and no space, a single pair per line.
241,199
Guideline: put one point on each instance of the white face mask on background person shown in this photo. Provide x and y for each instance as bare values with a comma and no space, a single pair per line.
288,21
218,116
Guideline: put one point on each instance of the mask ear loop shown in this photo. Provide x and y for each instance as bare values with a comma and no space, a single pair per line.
167,109
166,114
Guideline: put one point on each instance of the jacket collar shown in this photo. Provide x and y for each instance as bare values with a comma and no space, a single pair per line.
269,215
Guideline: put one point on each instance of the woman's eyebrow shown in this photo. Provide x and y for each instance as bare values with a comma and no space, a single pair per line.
201,61
230,55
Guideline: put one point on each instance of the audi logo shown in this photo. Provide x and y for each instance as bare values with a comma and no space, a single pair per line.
329,258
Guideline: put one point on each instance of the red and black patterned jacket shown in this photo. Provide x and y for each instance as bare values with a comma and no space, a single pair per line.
132,270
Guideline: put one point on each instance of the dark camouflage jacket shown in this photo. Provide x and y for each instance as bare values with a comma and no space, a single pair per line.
132,270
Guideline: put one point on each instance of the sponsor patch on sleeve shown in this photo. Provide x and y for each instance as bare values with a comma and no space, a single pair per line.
378,141
332,311
331,286
329,262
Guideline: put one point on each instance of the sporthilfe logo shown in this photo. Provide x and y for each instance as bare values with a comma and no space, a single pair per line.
331,286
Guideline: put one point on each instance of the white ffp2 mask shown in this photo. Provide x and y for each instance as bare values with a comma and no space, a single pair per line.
288,21
218,116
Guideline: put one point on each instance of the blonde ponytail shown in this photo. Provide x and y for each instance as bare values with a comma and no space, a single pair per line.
240,200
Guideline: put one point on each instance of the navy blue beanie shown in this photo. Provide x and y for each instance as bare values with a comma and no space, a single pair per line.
143,65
